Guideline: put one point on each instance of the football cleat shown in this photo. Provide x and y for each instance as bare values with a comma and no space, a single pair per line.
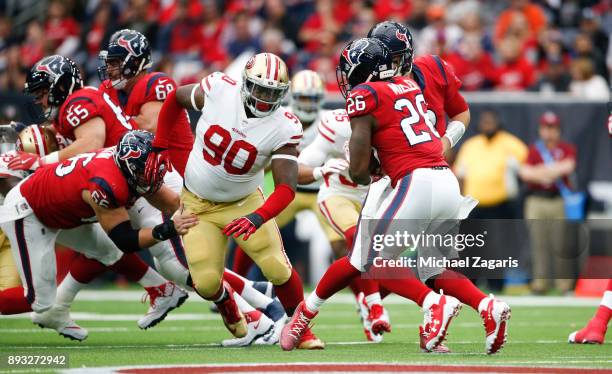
310,341
495,315
258,326
364,313
273,336
296,327
438,310
58,319
163,299
232,316
592,333
441,348
379,319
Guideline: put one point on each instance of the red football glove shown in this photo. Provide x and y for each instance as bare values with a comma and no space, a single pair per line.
25,161
246,225
157,157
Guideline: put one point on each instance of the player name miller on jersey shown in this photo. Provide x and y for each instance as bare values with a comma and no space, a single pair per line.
401,88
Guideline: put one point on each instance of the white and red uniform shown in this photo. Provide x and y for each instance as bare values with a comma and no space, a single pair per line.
154,87
230,152
421,187
48,205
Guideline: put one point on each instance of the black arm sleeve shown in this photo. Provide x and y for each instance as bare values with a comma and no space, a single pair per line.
125,237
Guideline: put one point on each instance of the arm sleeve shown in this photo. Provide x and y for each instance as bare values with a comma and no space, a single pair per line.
317,152
454,102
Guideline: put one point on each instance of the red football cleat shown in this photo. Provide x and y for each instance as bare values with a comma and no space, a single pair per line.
495,318
592,333
232,316
296,327
438,311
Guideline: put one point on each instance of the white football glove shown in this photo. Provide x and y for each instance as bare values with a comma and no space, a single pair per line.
331,166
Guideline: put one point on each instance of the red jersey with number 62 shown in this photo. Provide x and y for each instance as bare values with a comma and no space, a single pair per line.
404,138
54,191
231,150
86,104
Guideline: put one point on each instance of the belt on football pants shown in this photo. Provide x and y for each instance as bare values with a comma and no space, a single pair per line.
15,210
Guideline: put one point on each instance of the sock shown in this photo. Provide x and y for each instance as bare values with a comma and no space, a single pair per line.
314,302
84,270
13,301
407,286
457,285
170,268
221,295
349,236
373,299
604,311
354,286
290,293
338,276
131,267
245,289
366,285
151,278
67,291
242,262
242,304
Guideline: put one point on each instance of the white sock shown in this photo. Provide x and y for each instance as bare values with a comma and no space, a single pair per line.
606,300
172,269
373,299
151,279
430,299
254,297
484,303
314,302
243,305
67,291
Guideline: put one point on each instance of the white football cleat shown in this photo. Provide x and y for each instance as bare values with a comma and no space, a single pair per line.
439,310
258,326
495,315
164,299
364,314
273,336
58,319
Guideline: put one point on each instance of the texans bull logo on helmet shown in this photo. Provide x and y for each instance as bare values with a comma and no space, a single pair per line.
50,65
401,36
132,43
352,55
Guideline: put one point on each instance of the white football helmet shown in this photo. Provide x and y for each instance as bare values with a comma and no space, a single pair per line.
38,140
307,92
265,82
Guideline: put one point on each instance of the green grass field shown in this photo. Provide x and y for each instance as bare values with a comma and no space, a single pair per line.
537,337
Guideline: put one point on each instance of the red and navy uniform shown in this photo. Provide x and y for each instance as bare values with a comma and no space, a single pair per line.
440,87
402,138
155,86
86,104
55,191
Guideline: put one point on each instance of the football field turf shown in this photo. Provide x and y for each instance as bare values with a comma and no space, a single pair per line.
537,336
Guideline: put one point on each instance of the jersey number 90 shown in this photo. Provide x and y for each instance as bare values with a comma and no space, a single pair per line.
219,148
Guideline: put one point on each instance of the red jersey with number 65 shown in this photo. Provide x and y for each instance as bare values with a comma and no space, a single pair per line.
404,138
86,104
55,191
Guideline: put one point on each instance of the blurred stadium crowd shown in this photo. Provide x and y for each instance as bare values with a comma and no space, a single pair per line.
543,45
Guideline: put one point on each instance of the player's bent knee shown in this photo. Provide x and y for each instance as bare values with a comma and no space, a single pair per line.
275,270
207,283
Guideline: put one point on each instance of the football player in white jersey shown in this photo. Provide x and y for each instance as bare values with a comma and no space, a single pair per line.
340,200
241,130
307,94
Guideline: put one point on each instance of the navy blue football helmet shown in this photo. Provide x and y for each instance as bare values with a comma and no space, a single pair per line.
131,51
363,60
131,157
398,39
58,75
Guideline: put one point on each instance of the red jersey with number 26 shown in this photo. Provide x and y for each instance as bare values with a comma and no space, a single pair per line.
404,138
54,191
86,104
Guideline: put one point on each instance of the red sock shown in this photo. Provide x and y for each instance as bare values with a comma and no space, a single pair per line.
365,285
234,280
290,293
354,286
242,262
349,236
13,301
602,315
84,270
406,285
338,276
130,266
610,285
457,285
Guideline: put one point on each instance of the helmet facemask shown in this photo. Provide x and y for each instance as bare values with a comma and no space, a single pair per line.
306,107
261,100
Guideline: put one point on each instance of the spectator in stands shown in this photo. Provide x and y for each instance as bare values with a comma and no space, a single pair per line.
136,16
397,10
438,37
211,48
182,36
418,16
473,66
553,78
243,39
514,73
585,83
486,166
583,46
590,24
326,60
61,30
328,18
534,16
33,47
285,18
544,207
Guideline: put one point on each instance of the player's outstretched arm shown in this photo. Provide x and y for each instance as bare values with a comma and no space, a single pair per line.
116,223
360,145
147,117
165,200
311,162
284,170
455,129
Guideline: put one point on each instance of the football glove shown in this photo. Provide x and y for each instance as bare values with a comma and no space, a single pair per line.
331,166
25,161
246,225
